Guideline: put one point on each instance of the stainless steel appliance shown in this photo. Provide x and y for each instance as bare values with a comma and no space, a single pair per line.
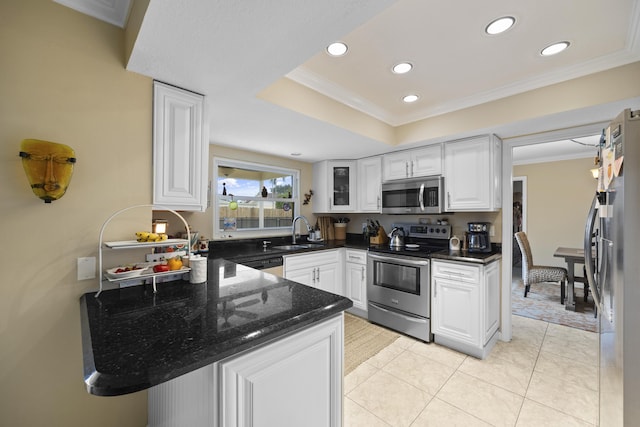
413,196
613,233
397,238
399,280
478,239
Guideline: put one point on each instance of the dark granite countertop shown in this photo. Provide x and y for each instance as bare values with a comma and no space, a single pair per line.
466,256
133,339
238,250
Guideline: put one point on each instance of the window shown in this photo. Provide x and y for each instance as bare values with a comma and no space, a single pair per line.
253,200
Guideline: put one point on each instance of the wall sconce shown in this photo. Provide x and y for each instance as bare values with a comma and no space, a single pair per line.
160,226
48,166
595,172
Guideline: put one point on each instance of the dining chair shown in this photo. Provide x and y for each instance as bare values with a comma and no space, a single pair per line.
532,274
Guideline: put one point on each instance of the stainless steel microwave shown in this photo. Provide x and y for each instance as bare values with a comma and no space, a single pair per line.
413,196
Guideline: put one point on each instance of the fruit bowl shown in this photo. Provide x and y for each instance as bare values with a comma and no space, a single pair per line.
125,272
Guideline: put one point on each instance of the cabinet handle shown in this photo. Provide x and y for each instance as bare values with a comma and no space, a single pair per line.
313,276
318,273
378,204
330,205
411,167
406,169
363,274
448,200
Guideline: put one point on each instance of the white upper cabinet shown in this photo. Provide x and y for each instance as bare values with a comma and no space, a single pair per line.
334,186
473,174
369,184
180,149
415,163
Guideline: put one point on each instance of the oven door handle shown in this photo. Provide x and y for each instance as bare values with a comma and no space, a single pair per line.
395,313
421,197
399,260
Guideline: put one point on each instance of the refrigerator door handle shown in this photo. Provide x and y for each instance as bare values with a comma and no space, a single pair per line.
588,254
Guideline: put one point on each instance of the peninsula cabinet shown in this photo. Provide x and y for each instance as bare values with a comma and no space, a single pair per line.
180,149
369,184
334,186
296,381
292,381
414,163
465,304
473,174
321,270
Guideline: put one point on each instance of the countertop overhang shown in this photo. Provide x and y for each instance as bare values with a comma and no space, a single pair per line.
133,338
466,256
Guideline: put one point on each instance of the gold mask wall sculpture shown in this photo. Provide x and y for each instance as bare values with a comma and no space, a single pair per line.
48,166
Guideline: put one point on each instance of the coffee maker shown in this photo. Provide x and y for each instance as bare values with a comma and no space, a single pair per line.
478,237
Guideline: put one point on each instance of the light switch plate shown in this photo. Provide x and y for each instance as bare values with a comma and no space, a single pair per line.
86,268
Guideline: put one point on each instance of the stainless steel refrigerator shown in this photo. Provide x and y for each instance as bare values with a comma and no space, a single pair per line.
612,261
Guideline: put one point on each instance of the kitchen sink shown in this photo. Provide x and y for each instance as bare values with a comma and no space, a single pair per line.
300,246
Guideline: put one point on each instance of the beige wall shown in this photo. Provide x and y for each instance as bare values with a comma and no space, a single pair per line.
559,195
63,80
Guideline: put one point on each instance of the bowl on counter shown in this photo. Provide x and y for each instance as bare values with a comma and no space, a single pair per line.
126,272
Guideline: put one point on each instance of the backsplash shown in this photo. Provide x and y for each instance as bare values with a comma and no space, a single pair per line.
458,221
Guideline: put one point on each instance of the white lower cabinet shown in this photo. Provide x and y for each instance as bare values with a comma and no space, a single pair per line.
465,305
320,269
289,382
296,381
355,283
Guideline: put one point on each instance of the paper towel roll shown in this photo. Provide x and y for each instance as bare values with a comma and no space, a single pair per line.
198,266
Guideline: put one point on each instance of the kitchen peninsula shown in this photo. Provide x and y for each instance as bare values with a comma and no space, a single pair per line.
243,345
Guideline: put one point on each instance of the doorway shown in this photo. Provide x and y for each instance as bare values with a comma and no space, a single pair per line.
519,221
511,150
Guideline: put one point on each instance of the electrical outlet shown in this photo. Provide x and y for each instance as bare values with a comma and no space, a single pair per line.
86,268
492,230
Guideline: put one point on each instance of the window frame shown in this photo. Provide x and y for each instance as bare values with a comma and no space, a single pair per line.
219,233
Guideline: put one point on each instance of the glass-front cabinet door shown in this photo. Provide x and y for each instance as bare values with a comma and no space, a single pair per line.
342,186
334,186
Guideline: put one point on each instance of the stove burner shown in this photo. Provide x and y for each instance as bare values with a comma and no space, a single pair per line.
421,240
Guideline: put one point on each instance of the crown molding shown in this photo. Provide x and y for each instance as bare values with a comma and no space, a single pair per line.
629,54
339,93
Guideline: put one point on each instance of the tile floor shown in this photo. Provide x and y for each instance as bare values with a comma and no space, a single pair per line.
546,376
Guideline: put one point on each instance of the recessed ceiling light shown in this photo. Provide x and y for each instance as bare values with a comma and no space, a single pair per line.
337,49
410,98
296,154
402,67
500,25
554,48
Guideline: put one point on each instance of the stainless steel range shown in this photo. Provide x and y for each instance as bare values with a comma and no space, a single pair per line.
399,280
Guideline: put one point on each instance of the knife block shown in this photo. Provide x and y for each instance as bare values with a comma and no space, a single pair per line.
380,238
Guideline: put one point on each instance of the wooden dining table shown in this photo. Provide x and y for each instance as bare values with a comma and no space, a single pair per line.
572,256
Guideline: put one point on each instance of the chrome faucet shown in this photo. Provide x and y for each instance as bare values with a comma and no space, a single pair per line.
293,227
